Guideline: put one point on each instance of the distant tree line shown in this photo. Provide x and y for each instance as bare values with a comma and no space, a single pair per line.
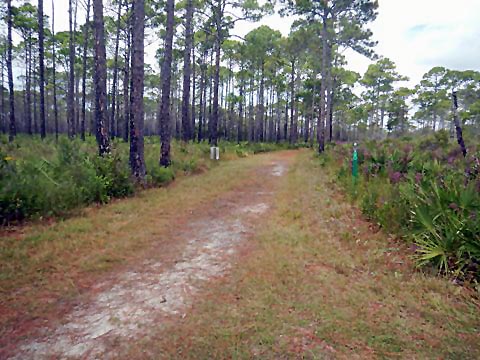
93,79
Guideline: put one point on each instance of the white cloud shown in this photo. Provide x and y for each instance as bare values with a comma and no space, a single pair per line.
420,34
415,34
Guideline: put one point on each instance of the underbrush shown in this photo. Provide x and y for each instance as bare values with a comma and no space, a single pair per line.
424,191
48,178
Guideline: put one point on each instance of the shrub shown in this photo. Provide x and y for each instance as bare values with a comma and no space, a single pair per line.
161,176
188,165
426,192
115,174
34,186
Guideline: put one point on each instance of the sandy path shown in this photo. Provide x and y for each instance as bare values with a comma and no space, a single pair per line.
124,306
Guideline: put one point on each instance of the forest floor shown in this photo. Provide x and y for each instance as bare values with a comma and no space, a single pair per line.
260,257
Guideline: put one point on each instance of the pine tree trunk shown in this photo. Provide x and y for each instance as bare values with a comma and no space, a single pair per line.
306,132
312,122
261,106
193,91
458,127
278,130
35,108
323,86
137,162
240,107
271,125
293,128
210,97
216,80
251,122
84,71
28,80
187,73
77,104
329,102
165,116
41,53
285,125
2,96
100,80
126,82
12,131
54,61
115,71
203,94
76,99
297,110
25,108
71,77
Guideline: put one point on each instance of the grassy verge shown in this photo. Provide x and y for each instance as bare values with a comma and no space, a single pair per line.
321,283
41,264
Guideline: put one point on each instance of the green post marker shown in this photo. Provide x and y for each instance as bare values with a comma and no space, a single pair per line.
355,163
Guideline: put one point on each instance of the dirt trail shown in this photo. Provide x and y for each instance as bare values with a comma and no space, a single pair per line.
163,287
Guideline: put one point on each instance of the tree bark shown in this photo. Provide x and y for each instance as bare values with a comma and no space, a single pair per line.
251,120
458,127
312,113
216,80
293,127
329,103
285,125
187,73
278,127
41,54
84,71
271,125
240,106
193,90
165,116
115,70
323,86
100,80
54,61
126,82
28,80
137,161
203,95
12,131
261,106
35,108
76,102
2,96
71,76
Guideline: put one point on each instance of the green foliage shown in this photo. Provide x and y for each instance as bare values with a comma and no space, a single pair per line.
33,186
46,178
446,227
189,165
424,191
161,176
